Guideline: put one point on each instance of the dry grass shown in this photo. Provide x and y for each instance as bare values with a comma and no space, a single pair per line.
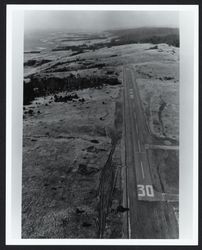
153,93
56,142
164,166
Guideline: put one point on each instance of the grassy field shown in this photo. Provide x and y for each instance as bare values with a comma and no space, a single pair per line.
159,89
164,166
65,148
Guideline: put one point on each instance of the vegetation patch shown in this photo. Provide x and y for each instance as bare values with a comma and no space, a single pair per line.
36,63
44,86
169,36
164,166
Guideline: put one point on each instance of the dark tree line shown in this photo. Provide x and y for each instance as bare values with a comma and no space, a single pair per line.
172,39
44,86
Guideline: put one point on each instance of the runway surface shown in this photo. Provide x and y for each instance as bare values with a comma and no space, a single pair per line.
151,214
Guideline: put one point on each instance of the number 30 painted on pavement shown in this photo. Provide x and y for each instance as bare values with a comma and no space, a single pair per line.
145,190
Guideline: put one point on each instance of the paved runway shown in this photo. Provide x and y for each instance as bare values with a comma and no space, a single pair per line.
150,216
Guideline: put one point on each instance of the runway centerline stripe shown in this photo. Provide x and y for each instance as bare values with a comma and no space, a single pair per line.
142,169
139,145
136,127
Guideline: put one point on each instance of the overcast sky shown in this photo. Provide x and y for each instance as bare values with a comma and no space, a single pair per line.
97,20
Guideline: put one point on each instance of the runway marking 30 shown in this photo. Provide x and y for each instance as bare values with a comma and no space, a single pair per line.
145,190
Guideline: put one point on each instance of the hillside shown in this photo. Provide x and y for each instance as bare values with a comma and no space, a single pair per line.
146,35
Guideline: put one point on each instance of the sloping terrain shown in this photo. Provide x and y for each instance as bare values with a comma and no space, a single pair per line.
72,123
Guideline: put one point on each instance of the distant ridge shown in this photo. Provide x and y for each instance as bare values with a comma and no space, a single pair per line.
153,35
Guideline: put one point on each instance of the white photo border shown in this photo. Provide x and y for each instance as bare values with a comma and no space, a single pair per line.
188,124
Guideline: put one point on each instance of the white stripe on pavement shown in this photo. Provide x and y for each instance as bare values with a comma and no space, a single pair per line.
142,169
139,145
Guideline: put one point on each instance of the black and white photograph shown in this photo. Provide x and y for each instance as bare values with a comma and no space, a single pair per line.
101,124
